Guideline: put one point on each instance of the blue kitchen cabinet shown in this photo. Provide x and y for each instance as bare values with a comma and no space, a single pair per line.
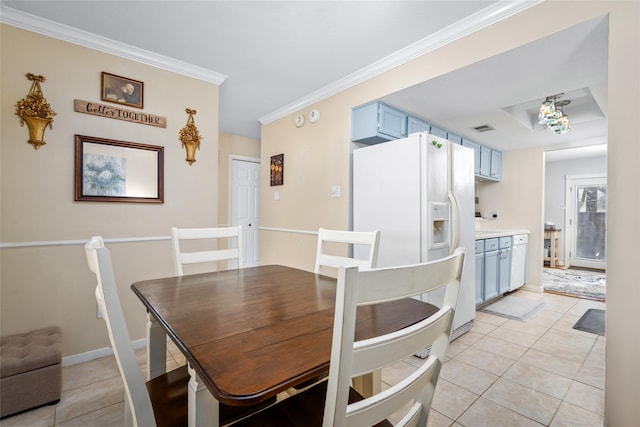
376,122
479,271
415,124
491,270
485,161
496,165
504,264
438,132
454,138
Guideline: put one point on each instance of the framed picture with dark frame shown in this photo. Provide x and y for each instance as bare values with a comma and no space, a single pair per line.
107,170
277,169
122,90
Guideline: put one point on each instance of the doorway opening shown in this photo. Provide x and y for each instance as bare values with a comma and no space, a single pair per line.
586,221
575,209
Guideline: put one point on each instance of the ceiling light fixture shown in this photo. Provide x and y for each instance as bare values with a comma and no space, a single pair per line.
552,114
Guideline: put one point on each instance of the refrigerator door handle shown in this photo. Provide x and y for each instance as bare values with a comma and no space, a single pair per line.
455,222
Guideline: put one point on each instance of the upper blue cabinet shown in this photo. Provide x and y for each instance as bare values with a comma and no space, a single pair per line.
377,122
415,124
487,161
454,138
496,165
438,132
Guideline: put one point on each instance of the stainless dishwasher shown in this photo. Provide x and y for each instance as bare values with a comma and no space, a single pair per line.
518,261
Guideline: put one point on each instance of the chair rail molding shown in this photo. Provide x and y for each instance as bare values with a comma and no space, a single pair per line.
6,245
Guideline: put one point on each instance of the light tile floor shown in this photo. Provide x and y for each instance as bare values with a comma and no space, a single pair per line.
501,373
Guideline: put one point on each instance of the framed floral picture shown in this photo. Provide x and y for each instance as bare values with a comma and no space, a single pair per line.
107,170
122,90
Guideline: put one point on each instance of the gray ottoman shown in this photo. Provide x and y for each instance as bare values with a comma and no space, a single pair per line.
30,370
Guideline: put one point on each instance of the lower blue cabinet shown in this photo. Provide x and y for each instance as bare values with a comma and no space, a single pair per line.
493,268
479,271
504,265
491,263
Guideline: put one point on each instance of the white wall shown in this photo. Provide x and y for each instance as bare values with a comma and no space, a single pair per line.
555,185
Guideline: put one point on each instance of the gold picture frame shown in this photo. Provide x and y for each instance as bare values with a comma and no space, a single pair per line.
122,90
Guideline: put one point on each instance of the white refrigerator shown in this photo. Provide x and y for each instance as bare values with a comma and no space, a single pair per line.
419,192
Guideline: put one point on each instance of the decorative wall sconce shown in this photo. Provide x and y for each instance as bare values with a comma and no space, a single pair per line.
190,137
34,110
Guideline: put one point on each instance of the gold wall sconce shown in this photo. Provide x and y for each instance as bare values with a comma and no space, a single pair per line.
190,137
34,110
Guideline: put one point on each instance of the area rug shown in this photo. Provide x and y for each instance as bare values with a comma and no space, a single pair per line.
591,321
581,283
513,307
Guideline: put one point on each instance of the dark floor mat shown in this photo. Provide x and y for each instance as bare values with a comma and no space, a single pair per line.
591,321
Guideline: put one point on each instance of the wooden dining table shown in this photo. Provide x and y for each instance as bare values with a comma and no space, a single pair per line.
252,333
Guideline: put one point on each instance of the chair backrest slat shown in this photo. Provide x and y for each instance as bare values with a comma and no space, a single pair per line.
370,239
182,257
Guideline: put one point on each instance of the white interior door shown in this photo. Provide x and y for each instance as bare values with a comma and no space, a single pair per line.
245,205
587,221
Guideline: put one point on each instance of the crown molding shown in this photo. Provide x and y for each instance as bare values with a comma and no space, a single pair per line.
486,17
69,34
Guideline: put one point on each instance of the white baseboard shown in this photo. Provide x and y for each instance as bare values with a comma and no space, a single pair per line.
98,353
533,288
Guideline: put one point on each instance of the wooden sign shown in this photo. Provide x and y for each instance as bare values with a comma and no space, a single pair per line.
111,112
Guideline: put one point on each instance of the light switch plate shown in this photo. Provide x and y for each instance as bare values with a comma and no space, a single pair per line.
335,191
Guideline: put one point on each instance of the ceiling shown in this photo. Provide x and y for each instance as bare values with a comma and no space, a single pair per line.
274,57
505,92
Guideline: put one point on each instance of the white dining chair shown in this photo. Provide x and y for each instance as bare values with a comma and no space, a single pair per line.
162,401
139,408
334,402
193,254
327,237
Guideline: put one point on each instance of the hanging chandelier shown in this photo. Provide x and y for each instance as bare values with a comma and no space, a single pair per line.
552,114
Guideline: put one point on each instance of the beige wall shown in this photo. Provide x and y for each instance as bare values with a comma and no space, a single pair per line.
51,284
310,167
520,202
623,199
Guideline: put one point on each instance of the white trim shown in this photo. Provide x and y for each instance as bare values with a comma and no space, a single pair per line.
230,188
486,17
569,226
69,34
81,242
98,353
289,230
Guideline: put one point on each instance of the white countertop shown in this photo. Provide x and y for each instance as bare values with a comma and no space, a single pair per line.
489,234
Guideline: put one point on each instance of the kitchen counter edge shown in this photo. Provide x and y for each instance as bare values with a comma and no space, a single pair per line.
489,234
